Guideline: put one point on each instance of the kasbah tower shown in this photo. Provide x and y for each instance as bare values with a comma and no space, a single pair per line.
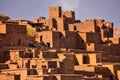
58,48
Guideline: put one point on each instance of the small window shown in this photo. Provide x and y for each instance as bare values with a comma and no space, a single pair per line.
66,36
75,28
19,42
82,41
48,44
52,66
86,59
88,44
41,38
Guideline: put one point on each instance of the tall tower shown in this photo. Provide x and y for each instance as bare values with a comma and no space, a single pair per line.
55,11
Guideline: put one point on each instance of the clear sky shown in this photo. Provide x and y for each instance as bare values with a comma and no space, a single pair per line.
84,9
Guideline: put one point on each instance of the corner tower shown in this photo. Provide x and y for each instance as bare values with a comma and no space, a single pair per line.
55,11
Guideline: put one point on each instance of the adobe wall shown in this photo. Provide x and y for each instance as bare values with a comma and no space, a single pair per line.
87,59
111,40
9,77
113,68
55,11
2,28
1,54
69,59
16,35
47,54
22,72
118,74
68,39
69,16
47,37
71,77
57,39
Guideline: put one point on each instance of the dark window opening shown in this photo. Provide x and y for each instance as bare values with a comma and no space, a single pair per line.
111,77
82,41
66,36
75,28
48,44
19,41
41,38
52,66
98,60
88,44
54,23
86,59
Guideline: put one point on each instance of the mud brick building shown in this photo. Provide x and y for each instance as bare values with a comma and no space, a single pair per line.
58,48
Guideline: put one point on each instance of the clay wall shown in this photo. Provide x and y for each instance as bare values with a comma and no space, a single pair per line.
1,54
87,26
47,37
90,47
3,66
48,55
112,40
107,30
3,28
68,39
71,77
23,63
64,69
54,11
110,49
9,77
118,74
113,68
69,15
61,24
84,59
15,54
22,72
15,35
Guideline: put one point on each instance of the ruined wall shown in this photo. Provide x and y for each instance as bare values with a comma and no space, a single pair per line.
69,16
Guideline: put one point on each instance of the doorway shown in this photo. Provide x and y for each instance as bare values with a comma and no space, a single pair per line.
19,42
48,44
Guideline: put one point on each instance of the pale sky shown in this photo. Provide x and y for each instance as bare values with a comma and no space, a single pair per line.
84,9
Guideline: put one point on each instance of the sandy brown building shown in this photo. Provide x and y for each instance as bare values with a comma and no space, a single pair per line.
58,48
